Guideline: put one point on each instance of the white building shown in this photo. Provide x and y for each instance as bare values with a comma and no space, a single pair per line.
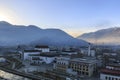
42,58
84,51
88,51
2,59
91,52
62,63
111,72
42,48
47,59
26,53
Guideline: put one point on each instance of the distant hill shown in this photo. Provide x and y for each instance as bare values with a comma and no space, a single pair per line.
12,35
110,36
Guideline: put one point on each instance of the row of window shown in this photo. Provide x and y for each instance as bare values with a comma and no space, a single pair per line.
76,65
81,72
111,78
78,69
61,63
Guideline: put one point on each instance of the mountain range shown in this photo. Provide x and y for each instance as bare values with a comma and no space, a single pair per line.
12,35
109,36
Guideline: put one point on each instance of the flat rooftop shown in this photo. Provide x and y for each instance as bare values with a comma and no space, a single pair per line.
84,60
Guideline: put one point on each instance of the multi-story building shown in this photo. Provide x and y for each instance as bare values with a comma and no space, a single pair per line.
26,53
42,58
110,72
62,63
77,66
84,66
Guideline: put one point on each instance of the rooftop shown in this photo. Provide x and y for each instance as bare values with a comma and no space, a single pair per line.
115,65
32,51
111,72
68,51
41,46
84,60
47,54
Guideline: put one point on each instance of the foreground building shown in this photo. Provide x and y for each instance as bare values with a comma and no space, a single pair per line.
110,72
84,67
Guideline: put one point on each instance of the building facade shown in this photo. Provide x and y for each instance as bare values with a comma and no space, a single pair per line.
62,64
110,72
26,53
84,66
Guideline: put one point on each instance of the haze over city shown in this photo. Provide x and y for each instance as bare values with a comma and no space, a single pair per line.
73,16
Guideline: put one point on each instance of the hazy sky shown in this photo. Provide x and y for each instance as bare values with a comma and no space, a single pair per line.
73,16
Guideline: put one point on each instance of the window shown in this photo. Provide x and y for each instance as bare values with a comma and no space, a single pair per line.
109,78
87,69
112,78
106,78
116,78
86,73
83,73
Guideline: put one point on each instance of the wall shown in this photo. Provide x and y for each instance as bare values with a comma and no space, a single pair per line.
102,76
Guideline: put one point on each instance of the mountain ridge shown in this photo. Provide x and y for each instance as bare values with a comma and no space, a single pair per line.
109,36
12,35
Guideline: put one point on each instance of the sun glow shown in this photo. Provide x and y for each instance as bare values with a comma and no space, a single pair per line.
5,17
2,18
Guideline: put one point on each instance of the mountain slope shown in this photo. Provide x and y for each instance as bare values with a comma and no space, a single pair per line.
110,36
11,35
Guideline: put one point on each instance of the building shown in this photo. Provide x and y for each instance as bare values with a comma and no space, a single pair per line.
84,66
62,64
91,52
110,72
35,60
88,51
110,58
42,48
26,53
2,59
42,58
69,52
84,51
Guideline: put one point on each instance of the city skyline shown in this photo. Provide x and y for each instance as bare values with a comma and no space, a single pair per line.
73,16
